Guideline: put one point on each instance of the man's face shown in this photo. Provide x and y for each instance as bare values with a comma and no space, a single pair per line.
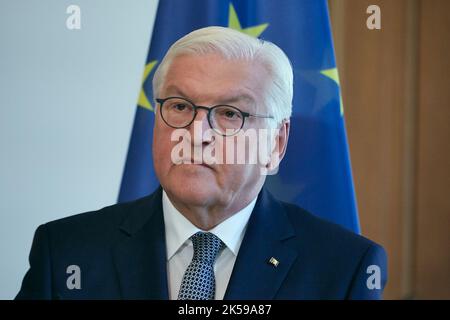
209,80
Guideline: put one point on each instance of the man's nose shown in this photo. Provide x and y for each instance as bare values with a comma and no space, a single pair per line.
202,115
200,121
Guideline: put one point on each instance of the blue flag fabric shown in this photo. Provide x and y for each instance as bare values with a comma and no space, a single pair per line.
315,173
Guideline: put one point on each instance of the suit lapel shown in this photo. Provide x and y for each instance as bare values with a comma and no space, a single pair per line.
140,253
253,276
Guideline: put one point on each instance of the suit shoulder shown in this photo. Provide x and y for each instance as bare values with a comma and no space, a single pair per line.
105,218
325,233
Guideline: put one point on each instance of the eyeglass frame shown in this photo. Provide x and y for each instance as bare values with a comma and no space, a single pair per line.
209,109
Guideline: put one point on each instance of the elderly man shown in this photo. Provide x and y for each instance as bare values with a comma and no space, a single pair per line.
211,231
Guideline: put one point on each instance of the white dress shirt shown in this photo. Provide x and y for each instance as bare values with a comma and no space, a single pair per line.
180,249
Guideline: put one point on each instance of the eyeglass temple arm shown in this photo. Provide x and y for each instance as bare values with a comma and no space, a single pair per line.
259,116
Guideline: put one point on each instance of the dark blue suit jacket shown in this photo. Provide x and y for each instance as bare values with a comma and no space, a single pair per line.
121,253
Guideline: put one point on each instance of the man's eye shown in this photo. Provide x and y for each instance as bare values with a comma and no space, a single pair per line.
230,114
179,107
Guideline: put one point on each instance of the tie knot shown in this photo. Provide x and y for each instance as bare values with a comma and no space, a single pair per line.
206,246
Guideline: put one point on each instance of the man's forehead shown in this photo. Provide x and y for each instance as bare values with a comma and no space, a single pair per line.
205,80
238,95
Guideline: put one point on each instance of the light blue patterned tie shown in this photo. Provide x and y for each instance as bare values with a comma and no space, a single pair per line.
198,281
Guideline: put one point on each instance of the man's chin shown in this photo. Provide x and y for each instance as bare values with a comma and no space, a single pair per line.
193,193
194,185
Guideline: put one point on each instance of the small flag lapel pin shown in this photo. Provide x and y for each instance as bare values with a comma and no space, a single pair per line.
274,262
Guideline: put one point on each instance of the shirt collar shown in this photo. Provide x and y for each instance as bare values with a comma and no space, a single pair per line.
179,229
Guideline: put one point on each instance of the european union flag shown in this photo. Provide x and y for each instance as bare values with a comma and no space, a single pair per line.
315,173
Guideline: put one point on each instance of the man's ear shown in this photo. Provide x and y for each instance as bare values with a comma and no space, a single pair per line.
280,146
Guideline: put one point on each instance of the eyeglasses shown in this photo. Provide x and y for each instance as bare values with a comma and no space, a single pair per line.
226,120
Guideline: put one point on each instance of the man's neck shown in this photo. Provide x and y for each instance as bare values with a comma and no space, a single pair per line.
207,217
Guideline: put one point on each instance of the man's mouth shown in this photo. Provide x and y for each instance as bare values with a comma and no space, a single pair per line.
192,162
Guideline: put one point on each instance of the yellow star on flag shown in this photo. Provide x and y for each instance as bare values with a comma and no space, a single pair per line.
233,23
143,100
334,75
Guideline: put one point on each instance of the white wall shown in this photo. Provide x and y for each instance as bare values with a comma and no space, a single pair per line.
67,103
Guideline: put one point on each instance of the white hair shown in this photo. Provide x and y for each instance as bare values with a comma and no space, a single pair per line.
235,45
